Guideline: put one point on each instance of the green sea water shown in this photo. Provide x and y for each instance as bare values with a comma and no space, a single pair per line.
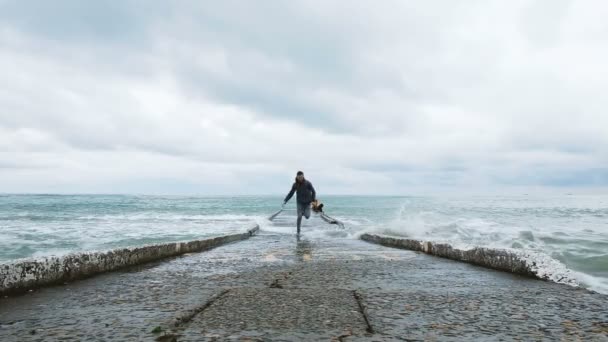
572,230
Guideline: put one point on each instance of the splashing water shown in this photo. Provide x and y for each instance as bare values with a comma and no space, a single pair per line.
562,234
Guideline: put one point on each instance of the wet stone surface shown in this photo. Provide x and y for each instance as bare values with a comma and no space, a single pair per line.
266,313
273,287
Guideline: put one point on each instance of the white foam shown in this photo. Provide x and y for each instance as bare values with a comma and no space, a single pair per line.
470,232
546,267
593,283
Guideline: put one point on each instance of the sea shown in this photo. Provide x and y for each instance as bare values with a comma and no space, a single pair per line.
565,234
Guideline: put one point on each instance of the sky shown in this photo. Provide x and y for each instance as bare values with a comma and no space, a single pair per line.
366,97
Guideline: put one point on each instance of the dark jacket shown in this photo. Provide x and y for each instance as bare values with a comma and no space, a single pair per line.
306,192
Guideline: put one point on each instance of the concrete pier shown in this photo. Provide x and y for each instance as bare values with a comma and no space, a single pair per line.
24,275
497,259
274,287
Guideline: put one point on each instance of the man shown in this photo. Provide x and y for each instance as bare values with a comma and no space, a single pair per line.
305,195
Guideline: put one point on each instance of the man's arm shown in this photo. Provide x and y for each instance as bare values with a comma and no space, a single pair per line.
290,194
314,193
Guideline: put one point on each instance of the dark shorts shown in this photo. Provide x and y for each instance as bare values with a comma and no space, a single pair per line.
304,210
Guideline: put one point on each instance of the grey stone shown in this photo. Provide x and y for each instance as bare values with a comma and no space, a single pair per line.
329,287
23,276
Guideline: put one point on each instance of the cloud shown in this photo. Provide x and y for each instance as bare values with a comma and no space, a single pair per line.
378,99
71,21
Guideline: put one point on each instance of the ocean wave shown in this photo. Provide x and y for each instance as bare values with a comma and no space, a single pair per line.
560,253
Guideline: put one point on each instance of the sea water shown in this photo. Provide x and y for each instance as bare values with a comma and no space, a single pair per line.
571,231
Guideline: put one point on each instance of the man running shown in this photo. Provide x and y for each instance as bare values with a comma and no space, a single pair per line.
305,195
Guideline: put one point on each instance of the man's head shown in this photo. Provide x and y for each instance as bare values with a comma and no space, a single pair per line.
300,176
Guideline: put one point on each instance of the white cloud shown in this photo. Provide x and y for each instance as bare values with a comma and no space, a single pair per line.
379,98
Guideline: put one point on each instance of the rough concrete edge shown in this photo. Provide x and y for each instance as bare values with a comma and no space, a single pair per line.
172,330
23,275
496,259
364,312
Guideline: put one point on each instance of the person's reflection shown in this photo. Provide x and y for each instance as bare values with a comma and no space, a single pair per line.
303,250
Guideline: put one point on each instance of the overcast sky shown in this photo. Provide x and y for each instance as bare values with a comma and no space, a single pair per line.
366,97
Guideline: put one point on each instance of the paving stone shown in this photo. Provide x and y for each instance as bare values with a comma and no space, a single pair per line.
273,287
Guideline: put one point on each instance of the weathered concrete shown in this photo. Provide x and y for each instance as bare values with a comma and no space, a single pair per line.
328,313
274,287
21,276
497,259
401,295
